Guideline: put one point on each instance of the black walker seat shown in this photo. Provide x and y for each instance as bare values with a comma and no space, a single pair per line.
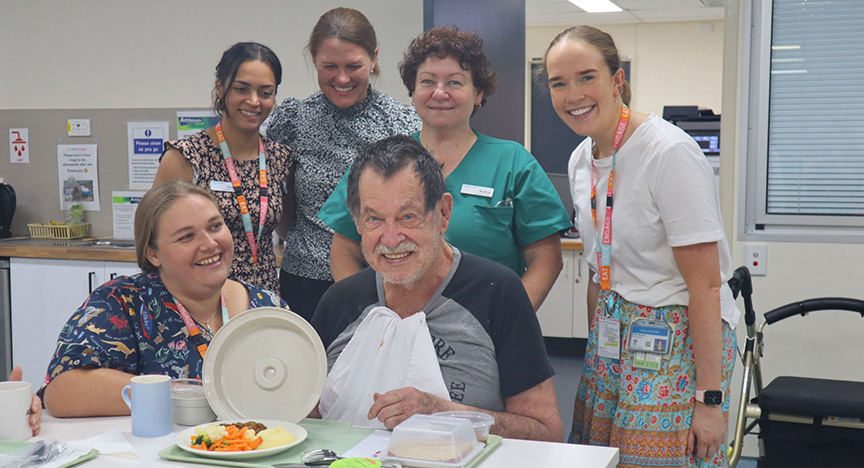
814,397
808,422
802,422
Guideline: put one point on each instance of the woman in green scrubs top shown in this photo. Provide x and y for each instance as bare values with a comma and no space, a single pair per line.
504,206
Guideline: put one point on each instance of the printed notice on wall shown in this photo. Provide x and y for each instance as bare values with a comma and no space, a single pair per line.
78,174
123,206
192,122
145,147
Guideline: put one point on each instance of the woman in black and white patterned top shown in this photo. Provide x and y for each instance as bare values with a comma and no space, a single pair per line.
326,130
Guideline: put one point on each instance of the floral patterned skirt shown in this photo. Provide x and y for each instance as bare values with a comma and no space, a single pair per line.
645,413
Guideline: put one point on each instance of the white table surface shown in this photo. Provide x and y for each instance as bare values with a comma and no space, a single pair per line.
512,452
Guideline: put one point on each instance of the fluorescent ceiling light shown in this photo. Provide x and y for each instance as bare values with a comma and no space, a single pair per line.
596,6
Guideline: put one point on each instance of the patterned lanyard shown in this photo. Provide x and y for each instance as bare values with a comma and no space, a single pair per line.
604,253
241,200
192,327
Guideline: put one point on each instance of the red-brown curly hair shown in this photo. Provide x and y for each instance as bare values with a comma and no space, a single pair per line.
442,42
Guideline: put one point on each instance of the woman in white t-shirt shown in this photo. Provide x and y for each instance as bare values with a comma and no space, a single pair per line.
662,319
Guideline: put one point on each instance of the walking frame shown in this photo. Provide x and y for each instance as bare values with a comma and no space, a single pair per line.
802,421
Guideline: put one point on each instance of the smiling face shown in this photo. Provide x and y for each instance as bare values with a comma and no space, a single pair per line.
400,239
193,249
250,98
444,93
343,70
584,93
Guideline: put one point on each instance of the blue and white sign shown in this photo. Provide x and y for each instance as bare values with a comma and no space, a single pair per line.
145,146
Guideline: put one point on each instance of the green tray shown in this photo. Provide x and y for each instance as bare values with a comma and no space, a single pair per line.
335,435
7,446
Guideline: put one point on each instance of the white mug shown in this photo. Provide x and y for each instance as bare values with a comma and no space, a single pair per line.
15,398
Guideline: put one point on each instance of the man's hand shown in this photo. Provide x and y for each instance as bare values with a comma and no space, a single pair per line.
706,431
398,405
35,404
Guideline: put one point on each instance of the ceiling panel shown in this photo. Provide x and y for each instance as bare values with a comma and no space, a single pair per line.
562,12
657,4
679,14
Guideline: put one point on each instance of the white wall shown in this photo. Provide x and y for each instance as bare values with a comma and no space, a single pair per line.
825,345
162,53
671,63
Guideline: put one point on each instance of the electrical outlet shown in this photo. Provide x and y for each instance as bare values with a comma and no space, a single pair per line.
757,259
78,127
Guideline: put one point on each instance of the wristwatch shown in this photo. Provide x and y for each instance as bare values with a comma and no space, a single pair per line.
709,397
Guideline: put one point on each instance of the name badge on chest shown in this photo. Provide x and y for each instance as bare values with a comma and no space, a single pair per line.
468,189
221,186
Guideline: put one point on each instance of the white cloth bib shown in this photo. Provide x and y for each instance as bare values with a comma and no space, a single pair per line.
386,353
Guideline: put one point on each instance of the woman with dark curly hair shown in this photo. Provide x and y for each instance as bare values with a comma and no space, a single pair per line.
504,206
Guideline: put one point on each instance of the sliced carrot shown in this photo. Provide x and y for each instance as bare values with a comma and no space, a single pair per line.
255,443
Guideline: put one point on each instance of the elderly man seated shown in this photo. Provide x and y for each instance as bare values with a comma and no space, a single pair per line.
428,328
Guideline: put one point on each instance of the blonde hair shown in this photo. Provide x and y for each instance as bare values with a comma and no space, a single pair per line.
150,210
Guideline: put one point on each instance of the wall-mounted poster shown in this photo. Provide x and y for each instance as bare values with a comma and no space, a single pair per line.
145,147
192,122
78,176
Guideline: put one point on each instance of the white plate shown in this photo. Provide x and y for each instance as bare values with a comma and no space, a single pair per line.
184,440
265,363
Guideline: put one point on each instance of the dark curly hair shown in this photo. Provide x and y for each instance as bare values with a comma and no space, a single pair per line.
443,42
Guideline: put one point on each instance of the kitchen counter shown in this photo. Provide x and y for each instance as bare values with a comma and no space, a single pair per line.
74,249
571,244
77,249
68,249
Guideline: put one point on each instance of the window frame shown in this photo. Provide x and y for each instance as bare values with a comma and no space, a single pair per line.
755,224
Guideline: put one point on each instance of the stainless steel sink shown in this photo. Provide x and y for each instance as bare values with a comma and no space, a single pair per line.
43,242
106,243
112,243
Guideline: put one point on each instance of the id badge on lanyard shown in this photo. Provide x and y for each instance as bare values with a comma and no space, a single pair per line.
650,342
608,328
608,331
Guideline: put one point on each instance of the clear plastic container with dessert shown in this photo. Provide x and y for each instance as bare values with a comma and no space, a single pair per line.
425,441
481,422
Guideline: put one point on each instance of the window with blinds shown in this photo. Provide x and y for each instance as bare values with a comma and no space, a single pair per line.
816,108
805,135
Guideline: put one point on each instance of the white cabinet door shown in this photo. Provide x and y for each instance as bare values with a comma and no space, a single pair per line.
113,269
45,293
556,313
563,313
580,295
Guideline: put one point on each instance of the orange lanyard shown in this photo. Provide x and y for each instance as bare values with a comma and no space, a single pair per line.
194,332
604,252
241,200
